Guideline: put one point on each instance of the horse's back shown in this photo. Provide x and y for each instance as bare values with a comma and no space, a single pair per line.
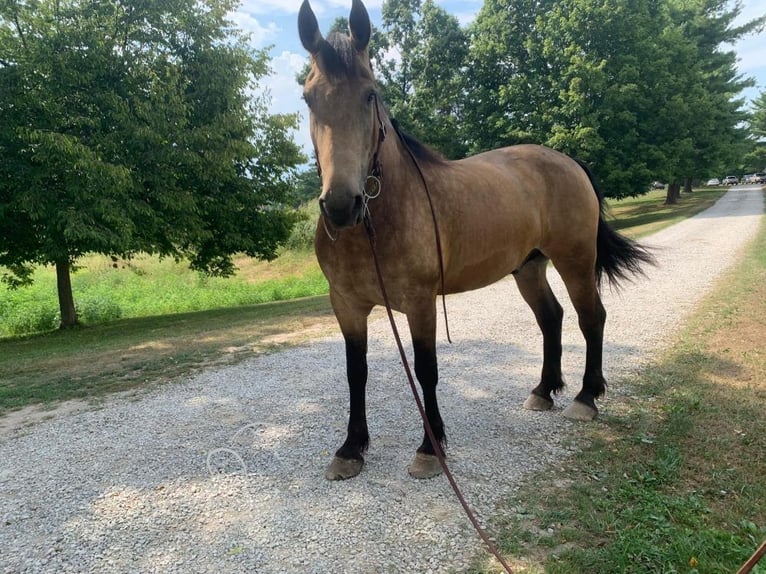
537,182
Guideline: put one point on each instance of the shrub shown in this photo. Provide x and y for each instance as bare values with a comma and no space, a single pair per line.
302,235
31,319
98,310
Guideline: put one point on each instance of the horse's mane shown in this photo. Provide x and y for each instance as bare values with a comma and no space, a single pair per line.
419,150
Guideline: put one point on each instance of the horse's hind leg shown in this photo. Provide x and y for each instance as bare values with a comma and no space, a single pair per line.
580,279
422,323
536,291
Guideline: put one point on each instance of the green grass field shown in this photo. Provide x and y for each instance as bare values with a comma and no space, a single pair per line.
145,286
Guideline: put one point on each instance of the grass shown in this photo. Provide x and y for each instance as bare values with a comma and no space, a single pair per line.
144,352
640,216
146,286
673,480
149,321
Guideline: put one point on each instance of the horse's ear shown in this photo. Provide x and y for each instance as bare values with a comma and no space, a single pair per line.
308,29
359,25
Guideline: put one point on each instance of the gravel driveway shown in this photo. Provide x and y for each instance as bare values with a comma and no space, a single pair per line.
127,487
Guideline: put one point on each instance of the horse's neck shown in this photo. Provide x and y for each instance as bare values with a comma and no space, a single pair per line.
402,174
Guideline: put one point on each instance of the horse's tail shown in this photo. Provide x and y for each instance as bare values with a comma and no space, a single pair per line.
616,255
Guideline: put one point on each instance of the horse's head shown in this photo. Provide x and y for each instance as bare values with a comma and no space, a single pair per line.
341,94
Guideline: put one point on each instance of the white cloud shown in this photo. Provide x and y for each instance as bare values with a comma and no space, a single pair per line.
260,35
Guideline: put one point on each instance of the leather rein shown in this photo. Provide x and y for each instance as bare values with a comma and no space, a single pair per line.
374,181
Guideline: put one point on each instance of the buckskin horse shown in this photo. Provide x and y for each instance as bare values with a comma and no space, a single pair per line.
505,211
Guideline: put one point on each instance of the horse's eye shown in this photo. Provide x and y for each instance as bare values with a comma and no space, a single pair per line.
307,99
371,97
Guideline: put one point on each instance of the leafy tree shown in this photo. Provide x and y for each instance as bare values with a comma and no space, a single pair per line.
715,124
132,127
621,83
756,159
424,84
307,186
507,77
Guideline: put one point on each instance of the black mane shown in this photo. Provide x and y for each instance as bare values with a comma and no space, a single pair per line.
419,150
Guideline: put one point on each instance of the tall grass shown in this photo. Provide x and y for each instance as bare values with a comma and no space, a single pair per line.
147,286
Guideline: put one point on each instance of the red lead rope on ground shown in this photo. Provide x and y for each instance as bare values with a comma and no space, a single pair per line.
437,447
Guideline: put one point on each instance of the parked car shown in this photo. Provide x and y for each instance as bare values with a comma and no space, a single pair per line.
658,185
714,181
759,177
730,180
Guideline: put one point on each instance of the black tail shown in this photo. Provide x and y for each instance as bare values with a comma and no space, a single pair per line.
616,256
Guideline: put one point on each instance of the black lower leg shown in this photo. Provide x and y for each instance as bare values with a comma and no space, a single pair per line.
427,372
358,437
549,318
593,383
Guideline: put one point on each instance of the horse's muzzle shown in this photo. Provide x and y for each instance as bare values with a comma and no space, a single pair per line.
343,213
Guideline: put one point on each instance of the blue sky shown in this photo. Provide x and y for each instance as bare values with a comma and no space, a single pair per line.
273,23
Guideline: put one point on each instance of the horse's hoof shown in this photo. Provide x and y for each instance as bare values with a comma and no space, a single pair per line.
424,466
342,468
578,411
537,403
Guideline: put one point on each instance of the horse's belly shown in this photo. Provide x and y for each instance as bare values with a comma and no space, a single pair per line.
480,274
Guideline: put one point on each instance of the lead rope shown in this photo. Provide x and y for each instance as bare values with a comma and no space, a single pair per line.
429,431
436,228
748,566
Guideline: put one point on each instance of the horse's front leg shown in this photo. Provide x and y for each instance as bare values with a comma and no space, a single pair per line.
349,459
422,322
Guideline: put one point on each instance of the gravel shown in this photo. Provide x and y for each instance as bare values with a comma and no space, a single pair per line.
223,472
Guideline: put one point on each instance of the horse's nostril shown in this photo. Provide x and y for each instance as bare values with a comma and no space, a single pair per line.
357,202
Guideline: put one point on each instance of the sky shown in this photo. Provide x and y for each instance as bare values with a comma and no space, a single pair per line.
273,25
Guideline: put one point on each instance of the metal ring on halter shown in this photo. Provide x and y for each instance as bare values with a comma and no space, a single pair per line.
376,186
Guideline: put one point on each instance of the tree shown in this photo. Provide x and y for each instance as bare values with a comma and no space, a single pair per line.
715,124
307,186
756,158
133,127
507,77
621,83
423,85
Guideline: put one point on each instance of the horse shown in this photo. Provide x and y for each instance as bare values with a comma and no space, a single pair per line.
444,227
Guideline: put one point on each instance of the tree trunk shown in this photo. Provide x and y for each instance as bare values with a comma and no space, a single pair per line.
688,185
674,192
66,299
